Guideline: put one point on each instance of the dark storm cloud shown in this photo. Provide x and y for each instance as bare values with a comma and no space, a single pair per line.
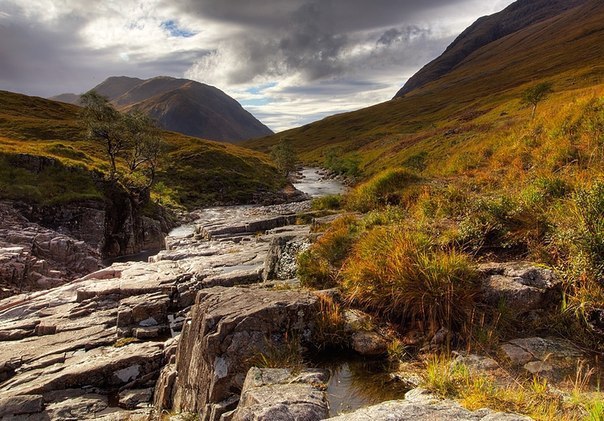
321,39
341,15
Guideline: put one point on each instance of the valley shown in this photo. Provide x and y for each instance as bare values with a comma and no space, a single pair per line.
440,255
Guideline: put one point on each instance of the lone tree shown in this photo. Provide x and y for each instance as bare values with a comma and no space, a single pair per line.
284,156
132,138
534,95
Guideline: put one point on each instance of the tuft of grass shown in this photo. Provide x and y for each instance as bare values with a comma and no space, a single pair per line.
285,354
121,342
398,275
386,188
329,202
330,329
319,266
451,379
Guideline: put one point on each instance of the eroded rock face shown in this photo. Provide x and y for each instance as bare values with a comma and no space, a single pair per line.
94,347
278,394
35,258
520,286
227,329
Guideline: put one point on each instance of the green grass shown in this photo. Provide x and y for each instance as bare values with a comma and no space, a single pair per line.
193,172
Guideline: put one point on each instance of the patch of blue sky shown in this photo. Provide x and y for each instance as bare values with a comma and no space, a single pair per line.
176,31
257,90
254,102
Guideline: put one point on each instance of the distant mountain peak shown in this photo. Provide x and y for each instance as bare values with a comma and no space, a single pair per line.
183,106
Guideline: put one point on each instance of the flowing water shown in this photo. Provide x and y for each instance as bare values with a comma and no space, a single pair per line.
314,182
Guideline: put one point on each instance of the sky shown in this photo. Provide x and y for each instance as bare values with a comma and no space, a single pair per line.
288,62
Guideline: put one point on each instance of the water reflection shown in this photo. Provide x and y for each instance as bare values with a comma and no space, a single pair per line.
356,382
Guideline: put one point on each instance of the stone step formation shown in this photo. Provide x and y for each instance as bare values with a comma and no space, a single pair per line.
182,332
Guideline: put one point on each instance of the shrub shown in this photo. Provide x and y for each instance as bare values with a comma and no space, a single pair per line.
396,274
383,189
589,210
319,266
329,202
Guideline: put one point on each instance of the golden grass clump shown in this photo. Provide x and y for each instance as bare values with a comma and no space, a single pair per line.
386,188
319,266
396,274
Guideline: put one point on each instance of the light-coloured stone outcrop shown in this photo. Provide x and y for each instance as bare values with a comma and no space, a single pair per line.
279,394
228,328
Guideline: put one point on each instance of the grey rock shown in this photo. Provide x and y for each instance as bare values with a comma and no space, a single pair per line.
277,394
520,286
228,327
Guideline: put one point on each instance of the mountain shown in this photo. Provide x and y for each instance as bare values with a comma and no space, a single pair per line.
183,106
484,31
480,94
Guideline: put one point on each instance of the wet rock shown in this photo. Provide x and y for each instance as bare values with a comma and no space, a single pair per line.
278,394
520,286
228,327
369,343
281,259
364,337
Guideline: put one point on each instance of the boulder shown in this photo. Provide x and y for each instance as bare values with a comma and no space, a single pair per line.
551,357
278,394
20,405
520,286
227,329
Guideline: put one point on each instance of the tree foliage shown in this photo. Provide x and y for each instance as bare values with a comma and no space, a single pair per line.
284,156
535,94
129,138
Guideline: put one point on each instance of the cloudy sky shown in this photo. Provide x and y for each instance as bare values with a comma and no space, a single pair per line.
289,62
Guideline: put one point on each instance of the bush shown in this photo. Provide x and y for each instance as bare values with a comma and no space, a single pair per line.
397,274
589,210
386,188
329,202
319,266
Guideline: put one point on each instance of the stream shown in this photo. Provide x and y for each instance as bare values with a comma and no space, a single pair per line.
355,382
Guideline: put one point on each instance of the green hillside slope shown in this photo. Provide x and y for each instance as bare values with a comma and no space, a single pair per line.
194,172
479,95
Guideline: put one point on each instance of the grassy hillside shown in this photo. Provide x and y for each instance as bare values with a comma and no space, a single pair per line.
194,172
474,100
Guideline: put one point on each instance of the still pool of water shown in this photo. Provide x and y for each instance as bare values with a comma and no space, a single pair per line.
356,383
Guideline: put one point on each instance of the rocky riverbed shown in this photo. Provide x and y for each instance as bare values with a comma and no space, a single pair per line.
183,332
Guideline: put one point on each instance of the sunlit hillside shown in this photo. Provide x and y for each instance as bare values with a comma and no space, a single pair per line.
193,172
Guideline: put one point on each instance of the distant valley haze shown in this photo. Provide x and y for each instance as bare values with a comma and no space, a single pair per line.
288,62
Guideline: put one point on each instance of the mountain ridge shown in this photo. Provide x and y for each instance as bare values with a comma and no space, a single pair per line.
181,105
485,30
